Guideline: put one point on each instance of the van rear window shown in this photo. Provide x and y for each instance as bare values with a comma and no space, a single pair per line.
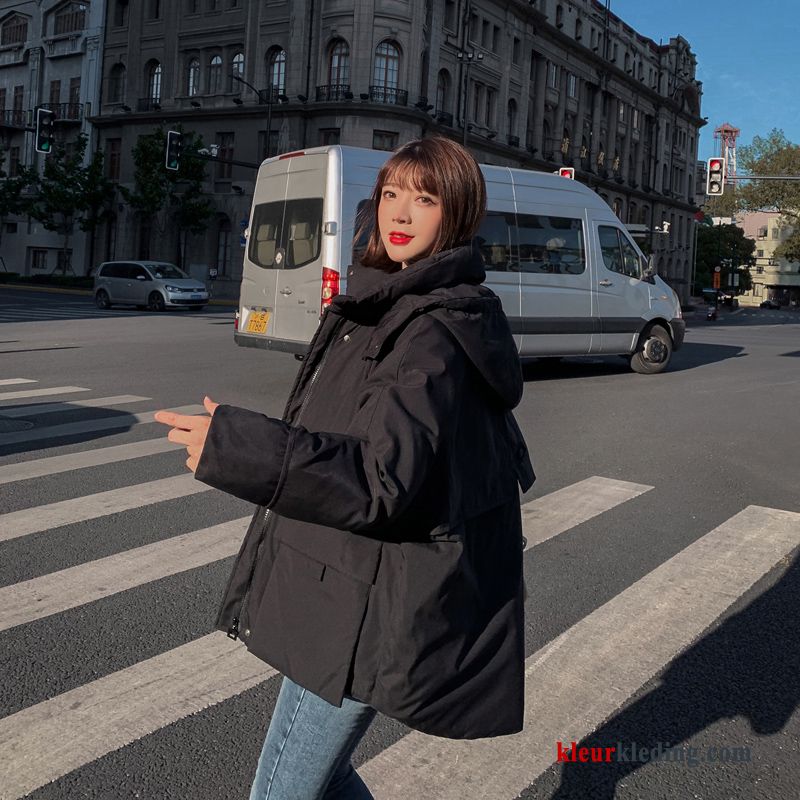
291,229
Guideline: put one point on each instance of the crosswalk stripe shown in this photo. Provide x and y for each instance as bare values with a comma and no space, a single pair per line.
51,594
546,517
79,509
585,675
41,467
40,392
12,381
41,743
69,405
89,426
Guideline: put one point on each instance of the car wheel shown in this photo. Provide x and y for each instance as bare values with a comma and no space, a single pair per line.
156,302
102,300
653,352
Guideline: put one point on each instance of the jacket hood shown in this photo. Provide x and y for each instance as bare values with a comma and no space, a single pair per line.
448,285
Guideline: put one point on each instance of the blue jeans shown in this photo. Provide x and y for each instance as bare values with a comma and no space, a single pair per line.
306,755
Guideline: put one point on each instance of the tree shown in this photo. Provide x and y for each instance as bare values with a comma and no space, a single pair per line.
161,196
773,155
725,246
69,192
12,199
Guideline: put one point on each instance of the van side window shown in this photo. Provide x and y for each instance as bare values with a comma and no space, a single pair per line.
291,228
551,244
495,243
619,255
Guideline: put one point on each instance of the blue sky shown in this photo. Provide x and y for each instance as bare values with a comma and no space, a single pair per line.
748,58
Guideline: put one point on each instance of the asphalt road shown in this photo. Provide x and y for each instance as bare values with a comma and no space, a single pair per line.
663,586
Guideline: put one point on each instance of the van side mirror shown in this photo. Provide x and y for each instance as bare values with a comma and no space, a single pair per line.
649,272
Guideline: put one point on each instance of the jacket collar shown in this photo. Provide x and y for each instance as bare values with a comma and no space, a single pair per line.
371,292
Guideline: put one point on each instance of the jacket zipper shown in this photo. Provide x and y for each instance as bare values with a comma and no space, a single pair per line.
233,631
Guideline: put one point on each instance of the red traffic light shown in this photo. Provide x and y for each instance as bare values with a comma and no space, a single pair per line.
567,172
715,164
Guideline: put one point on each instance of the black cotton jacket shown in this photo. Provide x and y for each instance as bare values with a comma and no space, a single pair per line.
385,559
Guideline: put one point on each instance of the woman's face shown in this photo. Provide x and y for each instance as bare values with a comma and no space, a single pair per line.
409,222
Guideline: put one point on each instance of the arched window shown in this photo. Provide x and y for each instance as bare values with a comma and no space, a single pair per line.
237,70
276,71
193,77
70,17
215,75
578,27
154,82
339,64
387,66
664,179
631,212
15,30
559,16
512,117
643,213
116,84
442,91
223,245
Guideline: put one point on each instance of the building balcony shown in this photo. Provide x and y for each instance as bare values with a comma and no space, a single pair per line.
65,112
15,118
334,92
148,104
389,95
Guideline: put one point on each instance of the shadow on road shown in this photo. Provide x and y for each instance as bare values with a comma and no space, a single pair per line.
25,429
747,667
690,356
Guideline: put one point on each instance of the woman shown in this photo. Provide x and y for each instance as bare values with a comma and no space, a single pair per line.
383,567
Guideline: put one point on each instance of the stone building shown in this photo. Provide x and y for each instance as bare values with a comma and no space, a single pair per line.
773,278
49,57
525,83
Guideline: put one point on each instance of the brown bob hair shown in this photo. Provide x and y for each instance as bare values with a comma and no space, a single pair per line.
438,166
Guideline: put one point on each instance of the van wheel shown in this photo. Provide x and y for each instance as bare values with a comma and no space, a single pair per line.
156,302
653,352
102,300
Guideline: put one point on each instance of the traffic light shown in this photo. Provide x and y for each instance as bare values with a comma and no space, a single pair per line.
715,177
44,130
567,172
173,154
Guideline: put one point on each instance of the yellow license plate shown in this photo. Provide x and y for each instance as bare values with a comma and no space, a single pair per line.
257,322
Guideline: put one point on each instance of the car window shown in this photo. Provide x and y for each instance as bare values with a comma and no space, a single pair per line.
136,271
549,244
619,255
286,235
162,271
494,239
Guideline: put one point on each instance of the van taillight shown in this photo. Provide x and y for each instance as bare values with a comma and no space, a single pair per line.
292,155
330,287
236,320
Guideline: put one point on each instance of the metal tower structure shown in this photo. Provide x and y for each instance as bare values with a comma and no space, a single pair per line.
725,135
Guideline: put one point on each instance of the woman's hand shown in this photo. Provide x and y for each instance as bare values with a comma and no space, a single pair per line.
190,430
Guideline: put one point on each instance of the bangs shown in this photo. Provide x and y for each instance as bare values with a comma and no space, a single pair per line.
410,172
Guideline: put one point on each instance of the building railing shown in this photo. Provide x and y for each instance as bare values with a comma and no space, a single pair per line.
148,104
15,118
332,92
66,112
387,94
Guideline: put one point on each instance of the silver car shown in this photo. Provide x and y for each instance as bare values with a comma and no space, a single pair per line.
147,284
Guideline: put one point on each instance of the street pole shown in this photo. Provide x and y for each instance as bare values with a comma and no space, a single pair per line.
269,107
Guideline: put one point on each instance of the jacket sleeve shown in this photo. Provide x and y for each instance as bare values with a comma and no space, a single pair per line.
342,481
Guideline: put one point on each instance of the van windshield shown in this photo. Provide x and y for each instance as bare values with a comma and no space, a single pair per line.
286,235
159,271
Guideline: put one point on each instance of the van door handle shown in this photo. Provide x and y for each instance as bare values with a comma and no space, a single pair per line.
286,292
605,282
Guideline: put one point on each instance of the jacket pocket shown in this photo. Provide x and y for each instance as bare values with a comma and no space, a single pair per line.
308,622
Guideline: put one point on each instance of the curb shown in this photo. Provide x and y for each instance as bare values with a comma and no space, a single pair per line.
89,293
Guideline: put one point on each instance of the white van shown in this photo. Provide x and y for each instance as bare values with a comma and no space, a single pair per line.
571,280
